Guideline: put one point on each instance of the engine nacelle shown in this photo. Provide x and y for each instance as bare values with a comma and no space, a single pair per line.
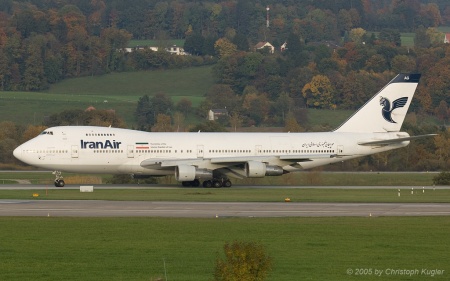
274,171
185,173
190,173
254,169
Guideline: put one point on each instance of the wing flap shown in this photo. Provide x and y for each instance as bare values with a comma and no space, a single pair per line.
392,141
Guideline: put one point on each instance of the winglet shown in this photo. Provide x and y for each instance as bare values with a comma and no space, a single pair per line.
385,111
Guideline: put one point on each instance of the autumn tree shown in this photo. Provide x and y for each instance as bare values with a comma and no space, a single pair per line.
224,47
442,111
291,124
319,93
184,106
163,123
243,261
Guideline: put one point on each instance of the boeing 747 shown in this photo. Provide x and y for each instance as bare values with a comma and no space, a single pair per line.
211,159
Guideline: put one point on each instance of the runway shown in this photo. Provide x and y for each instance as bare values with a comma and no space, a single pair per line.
168,186
100,208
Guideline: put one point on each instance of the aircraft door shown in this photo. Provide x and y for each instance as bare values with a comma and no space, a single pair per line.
340,149
258,150
74,151
200,152
130,151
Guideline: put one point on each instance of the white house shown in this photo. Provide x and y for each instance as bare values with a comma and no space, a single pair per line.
262,45
447,38
214,114
175,50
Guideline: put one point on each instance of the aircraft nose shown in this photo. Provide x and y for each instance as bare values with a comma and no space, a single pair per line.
18,153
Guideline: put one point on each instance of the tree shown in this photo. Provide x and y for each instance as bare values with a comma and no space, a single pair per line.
144,113
244,261
357,35
442,111
391,35
421,38
224,48
257,107
291,124
162,103
319,93
184,106
403,63
194,44
163,123
208,126
235,121
222,96
31,132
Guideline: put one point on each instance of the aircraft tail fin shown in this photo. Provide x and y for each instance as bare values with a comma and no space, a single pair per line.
385,111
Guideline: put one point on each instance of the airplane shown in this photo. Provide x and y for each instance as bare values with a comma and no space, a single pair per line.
211,159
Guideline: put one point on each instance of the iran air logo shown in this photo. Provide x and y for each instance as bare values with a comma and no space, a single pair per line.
387,110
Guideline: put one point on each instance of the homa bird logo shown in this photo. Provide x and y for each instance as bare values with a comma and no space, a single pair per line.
387,110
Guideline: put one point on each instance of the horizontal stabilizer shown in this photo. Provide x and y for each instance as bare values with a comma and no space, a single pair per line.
396,140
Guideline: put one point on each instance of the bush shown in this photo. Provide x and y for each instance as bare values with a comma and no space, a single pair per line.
244,261
442,179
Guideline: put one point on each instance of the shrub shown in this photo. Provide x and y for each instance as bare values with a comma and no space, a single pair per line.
244,261
442,179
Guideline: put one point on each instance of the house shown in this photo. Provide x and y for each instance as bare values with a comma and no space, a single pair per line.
214,114
175,50
447,38
283,47
262,45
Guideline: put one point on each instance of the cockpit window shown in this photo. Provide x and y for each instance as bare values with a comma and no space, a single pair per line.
47,133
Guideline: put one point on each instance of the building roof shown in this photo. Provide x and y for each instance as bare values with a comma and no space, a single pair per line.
262,45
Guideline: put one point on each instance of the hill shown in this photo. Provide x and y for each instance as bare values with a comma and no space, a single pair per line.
118,91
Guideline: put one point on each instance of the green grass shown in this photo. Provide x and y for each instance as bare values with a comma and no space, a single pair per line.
155,43
334,118
407,39
444,29
241,195
187,82
139,248
294,179
120,90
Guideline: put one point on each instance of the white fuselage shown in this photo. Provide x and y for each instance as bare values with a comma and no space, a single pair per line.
121,151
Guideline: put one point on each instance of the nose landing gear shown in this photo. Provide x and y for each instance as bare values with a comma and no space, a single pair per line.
59,182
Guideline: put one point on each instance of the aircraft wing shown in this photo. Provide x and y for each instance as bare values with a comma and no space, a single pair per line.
220,162
392,141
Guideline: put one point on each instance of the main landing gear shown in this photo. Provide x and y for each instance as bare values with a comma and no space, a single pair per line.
59,182
217,183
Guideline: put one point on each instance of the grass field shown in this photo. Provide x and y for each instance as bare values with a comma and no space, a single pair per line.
118,91
298,179
146,248
241,195
154,43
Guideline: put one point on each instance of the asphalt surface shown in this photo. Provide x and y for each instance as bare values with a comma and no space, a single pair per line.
100,208
160,186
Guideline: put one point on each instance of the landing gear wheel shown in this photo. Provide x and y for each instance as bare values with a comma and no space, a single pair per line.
227,183
217,184
195,183
207,184
59,183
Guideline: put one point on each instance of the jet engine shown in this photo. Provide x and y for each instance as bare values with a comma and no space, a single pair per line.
190,173
254,169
